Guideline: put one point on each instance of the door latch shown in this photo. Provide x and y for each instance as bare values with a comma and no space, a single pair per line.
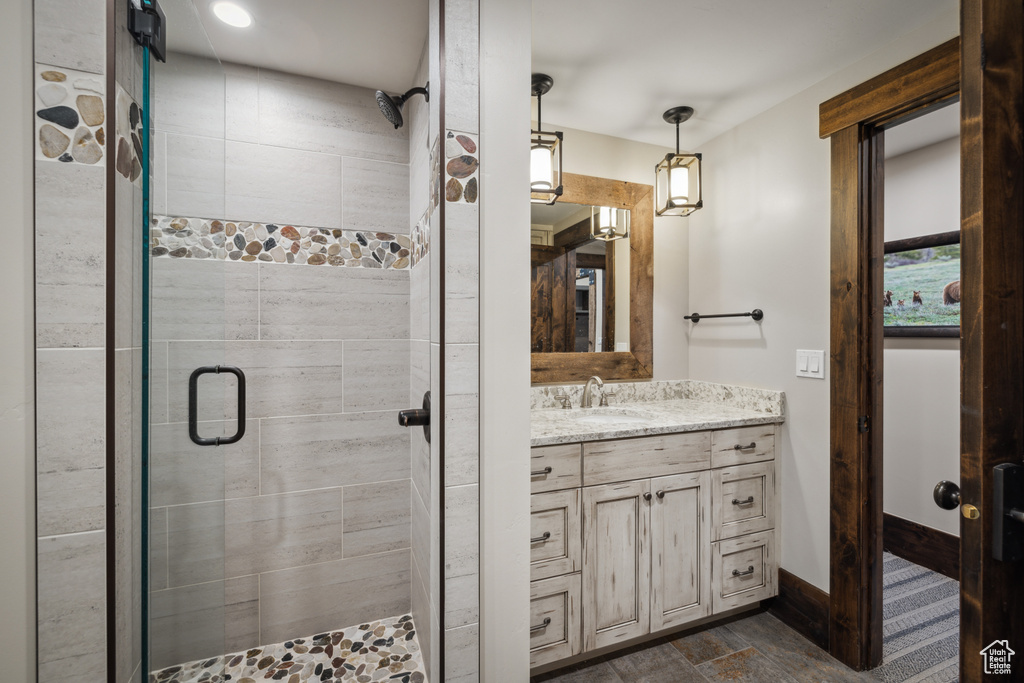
1008,512
862,424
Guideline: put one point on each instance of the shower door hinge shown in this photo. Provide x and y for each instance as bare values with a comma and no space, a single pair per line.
862,424
146,24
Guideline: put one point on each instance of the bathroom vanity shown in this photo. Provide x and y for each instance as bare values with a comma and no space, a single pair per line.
651,514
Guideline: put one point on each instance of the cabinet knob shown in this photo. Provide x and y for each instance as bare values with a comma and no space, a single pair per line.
647,496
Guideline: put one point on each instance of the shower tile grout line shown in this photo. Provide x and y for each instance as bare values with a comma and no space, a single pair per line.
284,569
285,493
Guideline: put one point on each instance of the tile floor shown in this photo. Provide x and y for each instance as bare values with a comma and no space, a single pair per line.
749,649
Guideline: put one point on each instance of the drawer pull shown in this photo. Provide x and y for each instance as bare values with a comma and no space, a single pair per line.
747,501
541,473
661,494
741,447
541,626
540,539
737,572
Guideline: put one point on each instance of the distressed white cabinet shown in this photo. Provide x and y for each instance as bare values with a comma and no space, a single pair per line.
673,528
680,549
616,563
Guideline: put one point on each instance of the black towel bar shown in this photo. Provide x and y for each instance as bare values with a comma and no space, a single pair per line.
756,314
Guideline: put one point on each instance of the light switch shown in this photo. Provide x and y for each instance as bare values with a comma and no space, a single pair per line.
810,363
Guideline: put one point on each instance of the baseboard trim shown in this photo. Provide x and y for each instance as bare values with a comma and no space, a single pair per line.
803,607
930,548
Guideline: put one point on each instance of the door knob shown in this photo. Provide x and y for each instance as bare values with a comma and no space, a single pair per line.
947,495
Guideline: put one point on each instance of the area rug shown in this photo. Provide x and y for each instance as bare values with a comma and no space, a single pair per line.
921,624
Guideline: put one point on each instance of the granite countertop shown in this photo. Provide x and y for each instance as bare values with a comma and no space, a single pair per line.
678,407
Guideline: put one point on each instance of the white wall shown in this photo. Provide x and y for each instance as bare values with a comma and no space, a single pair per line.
504,343
17,344
921,402
762,241
608,157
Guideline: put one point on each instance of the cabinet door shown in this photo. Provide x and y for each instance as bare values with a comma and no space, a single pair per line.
616,563
680,549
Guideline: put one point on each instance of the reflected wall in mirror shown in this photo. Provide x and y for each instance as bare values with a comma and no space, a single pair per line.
619,300
580,285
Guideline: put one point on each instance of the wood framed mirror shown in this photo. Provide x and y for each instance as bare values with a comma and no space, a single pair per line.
638,361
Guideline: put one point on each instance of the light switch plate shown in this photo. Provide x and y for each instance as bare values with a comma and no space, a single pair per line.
810,363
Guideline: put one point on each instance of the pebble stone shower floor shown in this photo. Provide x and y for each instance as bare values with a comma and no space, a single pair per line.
384,650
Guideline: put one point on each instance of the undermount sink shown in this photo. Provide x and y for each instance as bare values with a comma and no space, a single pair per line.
610,416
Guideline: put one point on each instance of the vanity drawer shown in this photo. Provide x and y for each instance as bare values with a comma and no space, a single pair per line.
743,571
554,467
606,462
555,630
743,445
742,500
556,536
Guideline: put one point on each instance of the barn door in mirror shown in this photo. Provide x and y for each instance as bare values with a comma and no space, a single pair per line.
580,285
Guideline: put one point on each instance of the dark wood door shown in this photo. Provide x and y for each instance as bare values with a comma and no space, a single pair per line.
992,324
553,302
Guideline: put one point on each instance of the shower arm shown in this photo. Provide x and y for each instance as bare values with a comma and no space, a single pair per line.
417,91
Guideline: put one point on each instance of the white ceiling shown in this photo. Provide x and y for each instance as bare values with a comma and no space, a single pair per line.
371,43
619,65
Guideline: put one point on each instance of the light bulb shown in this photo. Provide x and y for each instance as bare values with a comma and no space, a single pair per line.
232,15
607,219
679,185
540,168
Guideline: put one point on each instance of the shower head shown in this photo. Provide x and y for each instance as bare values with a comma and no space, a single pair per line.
391,106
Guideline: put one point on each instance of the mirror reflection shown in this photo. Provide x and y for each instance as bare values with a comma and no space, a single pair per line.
580,285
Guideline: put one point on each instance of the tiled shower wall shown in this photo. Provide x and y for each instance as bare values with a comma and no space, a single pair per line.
421,120
304,525
460,163
76,347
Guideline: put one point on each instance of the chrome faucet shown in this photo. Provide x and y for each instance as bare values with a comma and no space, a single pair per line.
588,396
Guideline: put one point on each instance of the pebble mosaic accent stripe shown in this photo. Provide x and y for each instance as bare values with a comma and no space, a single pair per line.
385,650
69,116
204,238
129,137
460,149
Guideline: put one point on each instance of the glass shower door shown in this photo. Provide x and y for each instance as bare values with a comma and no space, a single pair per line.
193,398
290,230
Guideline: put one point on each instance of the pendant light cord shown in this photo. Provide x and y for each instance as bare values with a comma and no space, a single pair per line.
677,137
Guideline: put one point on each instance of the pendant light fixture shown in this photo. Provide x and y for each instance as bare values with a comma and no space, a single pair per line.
677,186
609,224
545,152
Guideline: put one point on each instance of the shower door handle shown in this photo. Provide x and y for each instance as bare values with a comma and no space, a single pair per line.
193,400
415,417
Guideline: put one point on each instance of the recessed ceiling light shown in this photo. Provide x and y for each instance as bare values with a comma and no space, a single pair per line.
232,15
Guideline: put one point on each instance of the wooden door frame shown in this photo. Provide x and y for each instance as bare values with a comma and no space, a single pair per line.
992,315
855,122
